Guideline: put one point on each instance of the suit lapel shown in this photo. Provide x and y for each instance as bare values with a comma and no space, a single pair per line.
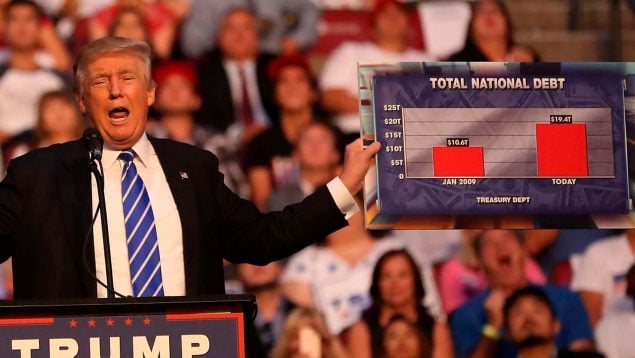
74,184
184,195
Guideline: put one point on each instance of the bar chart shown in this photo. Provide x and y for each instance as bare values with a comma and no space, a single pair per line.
508,142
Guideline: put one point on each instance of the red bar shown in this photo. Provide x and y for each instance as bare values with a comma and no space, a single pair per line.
458,161
561,149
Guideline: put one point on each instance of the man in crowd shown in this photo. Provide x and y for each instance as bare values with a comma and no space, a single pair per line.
532,325
285,26
339,81
263,282
237,94
476,326
26,74
171,219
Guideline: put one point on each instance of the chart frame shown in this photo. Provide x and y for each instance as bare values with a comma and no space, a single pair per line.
376,218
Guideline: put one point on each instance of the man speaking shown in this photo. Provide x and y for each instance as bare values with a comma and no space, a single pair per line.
171,219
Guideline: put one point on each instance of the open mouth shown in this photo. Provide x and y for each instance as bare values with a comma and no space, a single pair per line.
505,260
118,113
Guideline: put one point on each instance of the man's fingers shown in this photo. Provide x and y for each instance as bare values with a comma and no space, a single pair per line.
371,150
355,148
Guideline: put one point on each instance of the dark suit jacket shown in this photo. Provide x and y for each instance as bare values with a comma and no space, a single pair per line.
45,212
217,107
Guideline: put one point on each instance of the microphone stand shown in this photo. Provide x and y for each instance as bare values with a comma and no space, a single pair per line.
99,179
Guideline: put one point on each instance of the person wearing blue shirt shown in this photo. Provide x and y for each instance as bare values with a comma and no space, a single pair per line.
477,326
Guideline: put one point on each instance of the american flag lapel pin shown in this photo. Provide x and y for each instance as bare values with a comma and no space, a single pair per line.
184,175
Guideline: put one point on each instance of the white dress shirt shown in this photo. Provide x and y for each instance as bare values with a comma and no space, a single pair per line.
166,216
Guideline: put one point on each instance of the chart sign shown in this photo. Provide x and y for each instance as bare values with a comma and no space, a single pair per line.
510,145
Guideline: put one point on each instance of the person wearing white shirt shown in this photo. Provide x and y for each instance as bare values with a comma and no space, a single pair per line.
614,333
339,80
601,275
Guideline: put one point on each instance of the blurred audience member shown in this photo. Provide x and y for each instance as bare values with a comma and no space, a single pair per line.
262,282
50,50
74,8
157,20
432,247
461,278
339,81
558,251
318,153
284,26
532,325
404,339
614,333
59,121
268,160
23,79
335,276
601,276
345,4
238,96
476,326
397,289
129,23
490,36
176,102
305,336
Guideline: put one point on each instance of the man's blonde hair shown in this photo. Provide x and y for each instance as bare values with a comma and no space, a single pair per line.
108,46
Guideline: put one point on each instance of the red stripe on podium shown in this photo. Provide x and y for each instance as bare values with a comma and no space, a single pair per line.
26,321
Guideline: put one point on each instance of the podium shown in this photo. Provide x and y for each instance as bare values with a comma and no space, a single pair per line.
206,326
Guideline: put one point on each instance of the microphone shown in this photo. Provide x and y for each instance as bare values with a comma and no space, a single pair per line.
94,143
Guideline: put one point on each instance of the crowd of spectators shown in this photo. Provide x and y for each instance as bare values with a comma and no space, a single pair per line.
237,77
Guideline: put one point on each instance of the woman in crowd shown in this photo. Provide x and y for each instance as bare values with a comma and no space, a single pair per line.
490,36
59,121
397,289
157,19
129,23
305,335
346,257
268,160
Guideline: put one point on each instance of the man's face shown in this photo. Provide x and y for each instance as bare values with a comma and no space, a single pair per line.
22,27
116,96
502,258
530,320
238,37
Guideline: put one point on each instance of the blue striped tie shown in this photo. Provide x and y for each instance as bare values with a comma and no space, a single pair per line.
141,233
